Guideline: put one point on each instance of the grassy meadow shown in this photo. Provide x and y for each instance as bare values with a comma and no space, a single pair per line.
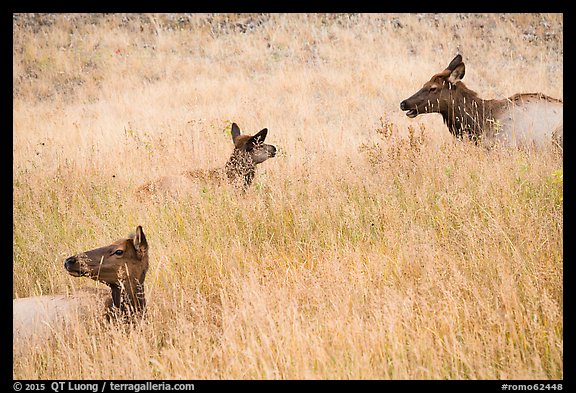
373,246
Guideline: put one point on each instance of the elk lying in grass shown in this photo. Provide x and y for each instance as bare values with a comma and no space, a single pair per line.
522,120
121,265
249,151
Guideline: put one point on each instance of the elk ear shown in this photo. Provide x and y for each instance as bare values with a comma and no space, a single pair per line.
259,137
454,63
235,132
256,139
140,243
457,73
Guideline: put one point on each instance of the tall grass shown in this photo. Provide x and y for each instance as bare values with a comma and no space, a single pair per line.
373,246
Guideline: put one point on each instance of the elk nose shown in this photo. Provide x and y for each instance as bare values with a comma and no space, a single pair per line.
70,261
403,105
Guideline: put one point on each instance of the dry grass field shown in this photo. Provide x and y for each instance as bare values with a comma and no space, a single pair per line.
373,246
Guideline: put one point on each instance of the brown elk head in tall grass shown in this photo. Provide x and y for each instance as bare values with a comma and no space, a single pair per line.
249,151
122,266
434,96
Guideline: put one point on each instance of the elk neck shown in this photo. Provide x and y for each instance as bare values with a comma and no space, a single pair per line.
466,114
240,167
128,297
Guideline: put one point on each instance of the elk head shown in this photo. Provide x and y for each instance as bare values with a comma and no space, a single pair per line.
254,145
121,265
436,96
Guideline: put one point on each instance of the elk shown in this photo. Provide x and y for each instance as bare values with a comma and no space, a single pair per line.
239,170
522,120
122,266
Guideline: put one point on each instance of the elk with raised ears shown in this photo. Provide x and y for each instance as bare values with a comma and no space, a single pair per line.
121,265
522,120
239,170
249,151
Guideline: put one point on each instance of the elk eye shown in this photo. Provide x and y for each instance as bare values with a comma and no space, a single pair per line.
433,89
118,252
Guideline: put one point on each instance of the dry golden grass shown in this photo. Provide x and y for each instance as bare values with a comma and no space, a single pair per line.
355,255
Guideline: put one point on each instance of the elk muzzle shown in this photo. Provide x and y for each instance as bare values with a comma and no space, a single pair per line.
73,267
272,151
406,106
